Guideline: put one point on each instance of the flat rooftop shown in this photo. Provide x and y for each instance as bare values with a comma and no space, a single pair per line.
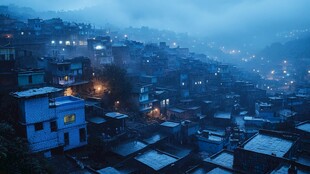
284,170
108,170
275,98
129,147
223,158
35,92
177,110
155,159
265,104
175,150
116,115
66,100
270,145
304,126
222,115
154,138
198,170
170,124
219,171
97,120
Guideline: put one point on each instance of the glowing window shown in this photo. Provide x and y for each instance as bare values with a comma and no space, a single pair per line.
69,119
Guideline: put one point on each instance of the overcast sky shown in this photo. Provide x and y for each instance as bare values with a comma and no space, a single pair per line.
204,17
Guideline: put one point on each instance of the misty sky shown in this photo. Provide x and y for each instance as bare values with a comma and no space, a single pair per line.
203,17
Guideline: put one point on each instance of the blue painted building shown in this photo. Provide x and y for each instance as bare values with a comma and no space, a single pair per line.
51,122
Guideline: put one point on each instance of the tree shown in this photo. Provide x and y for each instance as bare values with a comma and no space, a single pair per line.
14,154
119,86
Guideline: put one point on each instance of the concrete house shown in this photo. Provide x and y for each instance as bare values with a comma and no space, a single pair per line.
51,123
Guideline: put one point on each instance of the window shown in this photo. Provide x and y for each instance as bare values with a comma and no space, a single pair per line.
82,135
66,138
30,79
38,126
69,119
53,125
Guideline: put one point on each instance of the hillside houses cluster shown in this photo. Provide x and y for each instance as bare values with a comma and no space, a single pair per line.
195,115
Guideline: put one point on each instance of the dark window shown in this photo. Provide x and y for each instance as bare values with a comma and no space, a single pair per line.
38,126
11,56
53,126
66,138
30,79
82,135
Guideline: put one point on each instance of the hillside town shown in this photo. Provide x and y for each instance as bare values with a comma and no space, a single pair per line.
89,100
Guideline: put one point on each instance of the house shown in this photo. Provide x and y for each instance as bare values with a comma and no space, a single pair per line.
7,64
222,118
166,160
222,159
265,151
211,141
303,129
115,122
51,122
129,148
143,98
154,161
30,78
100,49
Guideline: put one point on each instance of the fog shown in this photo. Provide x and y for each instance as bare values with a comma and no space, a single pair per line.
223,19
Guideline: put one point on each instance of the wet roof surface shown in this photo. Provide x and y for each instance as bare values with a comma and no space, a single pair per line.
66,100
219,171
129,147
199,170
304,127
116,115
223,115
177,110
155,159
35,92
269,145
154,138
174,150
284,170
108,170
224,159
169,124
97,120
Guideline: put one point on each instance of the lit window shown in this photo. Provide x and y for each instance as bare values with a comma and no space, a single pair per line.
69,119
66,78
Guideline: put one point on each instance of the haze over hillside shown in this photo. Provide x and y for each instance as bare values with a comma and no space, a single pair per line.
243,23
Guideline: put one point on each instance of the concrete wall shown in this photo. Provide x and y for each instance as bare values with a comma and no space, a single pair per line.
37,110
42,139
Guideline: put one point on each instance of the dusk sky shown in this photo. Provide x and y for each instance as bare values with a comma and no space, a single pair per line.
198,17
